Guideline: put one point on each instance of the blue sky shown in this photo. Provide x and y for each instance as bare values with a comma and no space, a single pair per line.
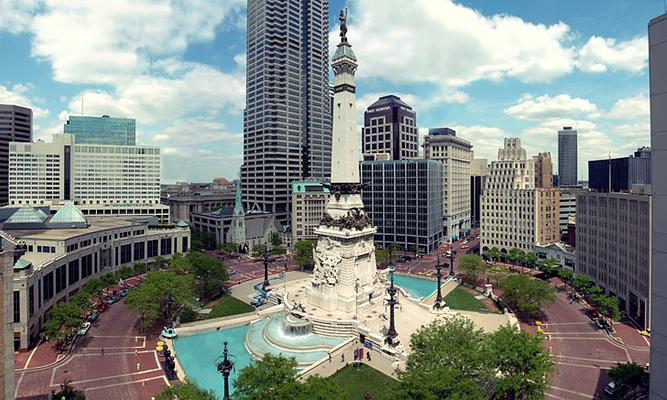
489,69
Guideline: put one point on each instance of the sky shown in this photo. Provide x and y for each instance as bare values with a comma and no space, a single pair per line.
488,69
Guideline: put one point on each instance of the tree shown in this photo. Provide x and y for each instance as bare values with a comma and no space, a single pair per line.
565,275
257,250
303,253
63,323
448,360
527,294
229,247
187,390
608,306
413,249
381,256
93,287
497,274
514,255
67,392
140,268
522,363
582,282
549,266
210,273
314,388
278,250
493,253
275,239
629,375
531,259
472,266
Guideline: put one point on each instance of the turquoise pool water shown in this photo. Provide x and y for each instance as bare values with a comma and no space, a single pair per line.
197,355
417,288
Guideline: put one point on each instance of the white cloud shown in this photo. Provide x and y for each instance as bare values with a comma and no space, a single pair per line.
452,45
630,108
19,95
486,140
15,16
196,131
535,108
108,42
601,54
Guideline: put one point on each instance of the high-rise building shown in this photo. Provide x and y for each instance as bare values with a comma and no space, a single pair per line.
101,179
479,169
514,212
309,202
102,130
287,120
15,126
543,170
613,234
567,210
455,153
567,157
390,127
657,39
404,201
625,172
8,304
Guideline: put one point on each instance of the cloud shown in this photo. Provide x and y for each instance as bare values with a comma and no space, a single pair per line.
630,108
127,35
15,16
535,108
196,131
601,54
452,45
19,95
486,140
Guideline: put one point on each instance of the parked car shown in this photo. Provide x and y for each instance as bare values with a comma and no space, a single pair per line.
464,246
84,329
601,324
112,299
124,292
102,307
611,389
93,315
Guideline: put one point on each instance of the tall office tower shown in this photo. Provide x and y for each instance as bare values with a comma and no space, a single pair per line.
15,126
441,144
613,234
514,212
102,130
567,157
657,38
543,170
102,179
287,120
479,169
390,127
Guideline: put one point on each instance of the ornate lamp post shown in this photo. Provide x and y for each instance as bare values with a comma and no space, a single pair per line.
391,333
225,367
265,256
356,299
452,254
438,300
168,302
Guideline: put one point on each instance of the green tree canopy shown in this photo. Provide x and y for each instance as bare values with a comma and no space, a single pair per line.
257,250
531,259
493,253
565,275
275,239
629,375
527,294
515,254
582,282
209,272
472,266
303,253
381,256
522,362
608,306
64,322
67,392
186,390
448,360
229,247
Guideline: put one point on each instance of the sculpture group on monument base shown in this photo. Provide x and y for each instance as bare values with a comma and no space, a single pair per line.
353,219
326,263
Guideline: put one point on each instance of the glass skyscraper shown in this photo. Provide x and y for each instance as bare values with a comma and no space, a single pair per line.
287,121
102,130
567,157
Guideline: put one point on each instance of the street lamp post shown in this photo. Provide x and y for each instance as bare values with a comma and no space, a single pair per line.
452,254
391,333
438,300
265,256
225,368
356,299
168,302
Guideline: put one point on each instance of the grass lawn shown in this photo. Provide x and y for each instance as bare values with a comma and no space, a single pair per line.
458,299
229,305
356,382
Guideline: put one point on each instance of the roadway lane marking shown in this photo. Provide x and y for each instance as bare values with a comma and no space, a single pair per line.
18,384
32,353
125,383
103,378
583,358
577,365
588,396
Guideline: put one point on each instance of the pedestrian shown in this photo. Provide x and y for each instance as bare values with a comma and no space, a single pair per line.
102,350
368,356
138,366
136,352
329,356
342,357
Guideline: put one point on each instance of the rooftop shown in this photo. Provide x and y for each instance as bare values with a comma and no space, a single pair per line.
95,225
389,100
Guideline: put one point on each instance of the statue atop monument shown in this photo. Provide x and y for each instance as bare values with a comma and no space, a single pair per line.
343,25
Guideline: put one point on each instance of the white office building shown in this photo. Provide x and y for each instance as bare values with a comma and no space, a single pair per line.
567,209
456,156
109,180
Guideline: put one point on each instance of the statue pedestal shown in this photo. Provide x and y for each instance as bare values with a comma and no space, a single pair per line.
488,290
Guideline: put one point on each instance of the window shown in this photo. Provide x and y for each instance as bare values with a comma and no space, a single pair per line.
31,301
184,245
48,286
61,279
73,269
17,307
139,251
165,246
125,253
152,248
86,266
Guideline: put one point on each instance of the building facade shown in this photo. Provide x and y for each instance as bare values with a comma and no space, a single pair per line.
514,212
309,202
404,201
657,40
625,172
8,255
65,250
390,127
567,209
102,179
567,157
614,247
102,130
287,120
182,204
455,154
543,170
15,126
479,169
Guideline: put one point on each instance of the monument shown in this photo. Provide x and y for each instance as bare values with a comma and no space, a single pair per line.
345,274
